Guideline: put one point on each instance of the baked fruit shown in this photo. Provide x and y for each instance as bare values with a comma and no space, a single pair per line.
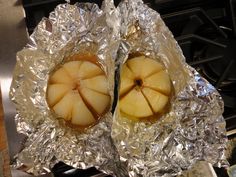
145,88
78,92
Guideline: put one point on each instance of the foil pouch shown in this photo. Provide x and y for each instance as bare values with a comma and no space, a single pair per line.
70,29
192,130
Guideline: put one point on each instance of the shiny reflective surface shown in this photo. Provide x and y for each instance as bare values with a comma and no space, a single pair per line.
13,37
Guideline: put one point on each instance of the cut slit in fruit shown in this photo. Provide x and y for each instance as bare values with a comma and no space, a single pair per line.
61,77
126,92
137,64
126,83
147,100
157,90
72,68
97,83
132,75
156,72
97,100
92,110
163,85
56,92
126,72
65,102
135,104
156,100
80,111
89,70
125,86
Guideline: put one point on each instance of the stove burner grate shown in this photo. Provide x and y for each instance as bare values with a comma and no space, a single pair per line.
211,49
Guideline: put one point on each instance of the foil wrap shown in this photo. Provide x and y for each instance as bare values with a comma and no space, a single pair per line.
69,29
192,130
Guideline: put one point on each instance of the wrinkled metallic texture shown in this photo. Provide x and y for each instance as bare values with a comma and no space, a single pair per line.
192,130
69,29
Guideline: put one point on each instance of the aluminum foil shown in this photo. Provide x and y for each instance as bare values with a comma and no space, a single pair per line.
69,29
192,130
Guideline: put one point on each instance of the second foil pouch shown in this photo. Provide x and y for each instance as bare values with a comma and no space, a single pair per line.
193,129
70,30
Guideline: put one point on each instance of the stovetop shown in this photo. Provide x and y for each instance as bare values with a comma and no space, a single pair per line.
204,29
206,34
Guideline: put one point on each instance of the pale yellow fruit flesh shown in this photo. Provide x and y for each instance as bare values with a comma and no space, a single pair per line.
61,77
98,101
143,67
97,83
135,104
127,80
78,92
145,88
56,92
88,70
72,68
80,113
159,81
126,72
157,100
125,85
64,107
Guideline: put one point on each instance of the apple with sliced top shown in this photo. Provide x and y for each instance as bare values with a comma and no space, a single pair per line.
78,92
145,88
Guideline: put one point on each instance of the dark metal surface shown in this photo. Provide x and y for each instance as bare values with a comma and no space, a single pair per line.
208,43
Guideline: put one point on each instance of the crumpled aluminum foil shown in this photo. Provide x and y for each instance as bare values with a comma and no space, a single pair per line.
69,29
192,130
